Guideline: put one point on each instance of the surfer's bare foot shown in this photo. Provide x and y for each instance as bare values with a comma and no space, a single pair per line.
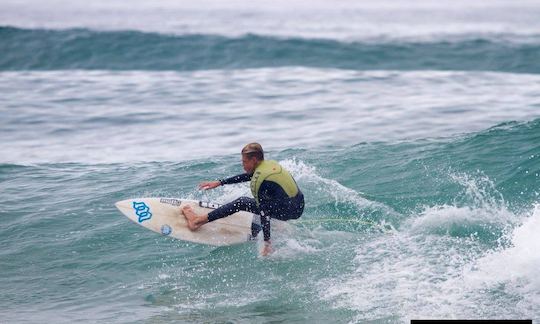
194,221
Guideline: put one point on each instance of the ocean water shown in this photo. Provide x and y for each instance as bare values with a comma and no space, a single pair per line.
413,129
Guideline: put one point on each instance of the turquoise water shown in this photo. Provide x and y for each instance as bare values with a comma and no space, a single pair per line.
38,49
415,138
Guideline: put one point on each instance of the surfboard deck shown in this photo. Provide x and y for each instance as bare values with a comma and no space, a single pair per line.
164,216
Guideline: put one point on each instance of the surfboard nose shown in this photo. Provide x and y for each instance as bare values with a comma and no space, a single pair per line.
125,207
122,204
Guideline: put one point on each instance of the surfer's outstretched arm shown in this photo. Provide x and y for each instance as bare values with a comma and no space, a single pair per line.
214,184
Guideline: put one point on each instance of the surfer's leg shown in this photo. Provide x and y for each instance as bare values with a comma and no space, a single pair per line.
194,221
242,203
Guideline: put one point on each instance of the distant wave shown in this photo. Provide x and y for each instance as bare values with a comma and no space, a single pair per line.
38,49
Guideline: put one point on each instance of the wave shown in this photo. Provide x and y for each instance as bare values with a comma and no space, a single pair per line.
493,172
41,49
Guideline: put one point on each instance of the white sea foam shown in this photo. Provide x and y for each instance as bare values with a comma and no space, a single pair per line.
399,276
479,205
419,273
514,268
329,190
291,248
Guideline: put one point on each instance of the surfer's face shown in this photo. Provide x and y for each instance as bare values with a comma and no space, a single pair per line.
249,164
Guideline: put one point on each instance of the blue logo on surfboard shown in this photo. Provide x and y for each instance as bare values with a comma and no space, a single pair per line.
142,210
166,229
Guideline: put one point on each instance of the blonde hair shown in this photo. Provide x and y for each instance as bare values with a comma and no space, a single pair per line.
253,150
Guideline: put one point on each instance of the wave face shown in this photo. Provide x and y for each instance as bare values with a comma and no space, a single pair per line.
38,49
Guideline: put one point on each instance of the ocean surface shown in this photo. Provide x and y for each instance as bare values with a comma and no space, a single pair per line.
412,127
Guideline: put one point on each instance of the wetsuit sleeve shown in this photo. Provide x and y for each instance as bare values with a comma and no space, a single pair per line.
236,179
265,223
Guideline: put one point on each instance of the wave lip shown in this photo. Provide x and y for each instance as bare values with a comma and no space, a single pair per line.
41,49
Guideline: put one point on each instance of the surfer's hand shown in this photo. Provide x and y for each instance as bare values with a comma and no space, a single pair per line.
209,185
267,248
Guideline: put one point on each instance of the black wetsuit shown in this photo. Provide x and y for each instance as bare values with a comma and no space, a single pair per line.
273,203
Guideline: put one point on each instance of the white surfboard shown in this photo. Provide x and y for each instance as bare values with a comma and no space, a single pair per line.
164,216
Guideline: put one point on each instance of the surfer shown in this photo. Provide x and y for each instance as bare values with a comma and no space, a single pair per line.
276,195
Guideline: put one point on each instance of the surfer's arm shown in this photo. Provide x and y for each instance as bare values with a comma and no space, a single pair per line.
269,194
209,185
265,224
272,201
236,179
214,184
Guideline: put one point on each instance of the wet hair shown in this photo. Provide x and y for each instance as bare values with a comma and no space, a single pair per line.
253,150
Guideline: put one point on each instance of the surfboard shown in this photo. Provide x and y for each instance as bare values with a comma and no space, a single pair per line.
164,216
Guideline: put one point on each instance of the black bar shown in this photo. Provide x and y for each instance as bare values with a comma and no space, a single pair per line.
471,321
